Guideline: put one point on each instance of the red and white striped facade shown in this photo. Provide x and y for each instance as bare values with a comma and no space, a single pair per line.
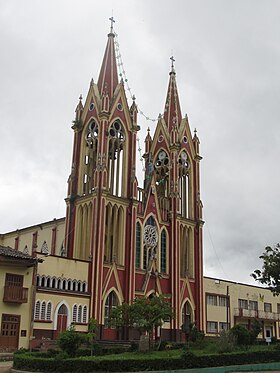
138,241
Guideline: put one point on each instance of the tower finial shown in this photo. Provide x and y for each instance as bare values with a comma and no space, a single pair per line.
112,24
172,64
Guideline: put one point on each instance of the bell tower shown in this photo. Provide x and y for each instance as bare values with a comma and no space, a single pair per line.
172,181
102,185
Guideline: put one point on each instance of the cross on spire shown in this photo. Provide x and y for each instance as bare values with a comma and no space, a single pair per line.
172,63
112,24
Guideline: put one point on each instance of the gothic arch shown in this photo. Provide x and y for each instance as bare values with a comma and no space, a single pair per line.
138,245
162,175
88,160
150,240
56,313
111,299
114,234
83,232
184,251
117,158
187,313
163,252
185,185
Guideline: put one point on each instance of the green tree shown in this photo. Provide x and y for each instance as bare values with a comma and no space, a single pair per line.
241,335
255,330
144,314
91,334
70,341
270,273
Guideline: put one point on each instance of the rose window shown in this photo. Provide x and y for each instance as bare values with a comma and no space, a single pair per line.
150,235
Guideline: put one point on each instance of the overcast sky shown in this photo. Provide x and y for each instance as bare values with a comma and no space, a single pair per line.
227,62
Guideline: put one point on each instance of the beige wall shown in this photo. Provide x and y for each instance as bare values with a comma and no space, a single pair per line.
44,231
24,309
63,268
235,292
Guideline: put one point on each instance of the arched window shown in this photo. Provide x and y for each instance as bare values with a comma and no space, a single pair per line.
43,281
43,311
37,310
58,286
79,286
64,284
163,252
161,167
184,251
74,313
90,156
186,316
48,282
53,283
84,287
79,318
49,311
116,159
183,184
114,233
38,280
110,303
69,285
74,285
84,315
150,240
138,246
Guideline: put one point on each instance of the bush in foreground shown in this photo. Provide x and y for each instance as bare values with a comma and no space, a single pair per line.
139,362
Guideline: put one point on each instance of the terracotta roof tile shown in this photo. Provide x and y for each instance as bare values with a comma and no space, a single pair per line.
9,252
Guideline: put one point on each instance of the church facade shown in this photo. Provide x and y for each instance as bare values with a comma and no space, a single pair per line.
118,240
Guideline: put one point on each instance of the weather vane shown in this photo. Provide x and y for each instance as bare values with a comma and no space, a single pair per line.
112,23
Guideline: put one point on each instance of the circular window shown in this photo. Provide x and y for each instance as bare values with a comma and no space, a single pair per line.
160,139
91,106
185,139
150,235
120,107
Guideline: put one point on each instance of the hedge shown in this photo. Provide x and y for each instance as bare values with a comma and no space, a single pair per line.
187,360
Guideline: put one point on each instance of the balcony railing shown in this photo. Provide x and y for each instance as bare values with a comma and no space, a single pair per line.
15,294
256,314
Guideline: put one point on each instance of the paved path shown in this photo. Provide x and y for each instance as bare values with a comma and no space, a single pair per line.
5,366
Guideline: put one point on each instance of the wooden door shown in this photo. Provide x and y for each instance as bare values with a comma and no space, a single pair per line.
9,332
61,320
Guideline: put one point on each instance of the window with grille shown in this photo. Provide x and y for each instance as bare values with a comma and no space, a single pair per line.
74,315
85,314
79,318
138,246
212,300
243,303
49,311
37,310
267,307
223,301
43,311
212,327
253,305
223,326
163,252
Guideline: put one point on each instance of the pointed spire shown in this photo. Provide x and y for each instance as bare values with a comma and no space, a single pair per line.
79,110
172,111
108,77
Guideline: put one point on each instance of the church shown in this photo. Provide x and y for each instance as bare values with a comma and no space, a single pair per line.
119,240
